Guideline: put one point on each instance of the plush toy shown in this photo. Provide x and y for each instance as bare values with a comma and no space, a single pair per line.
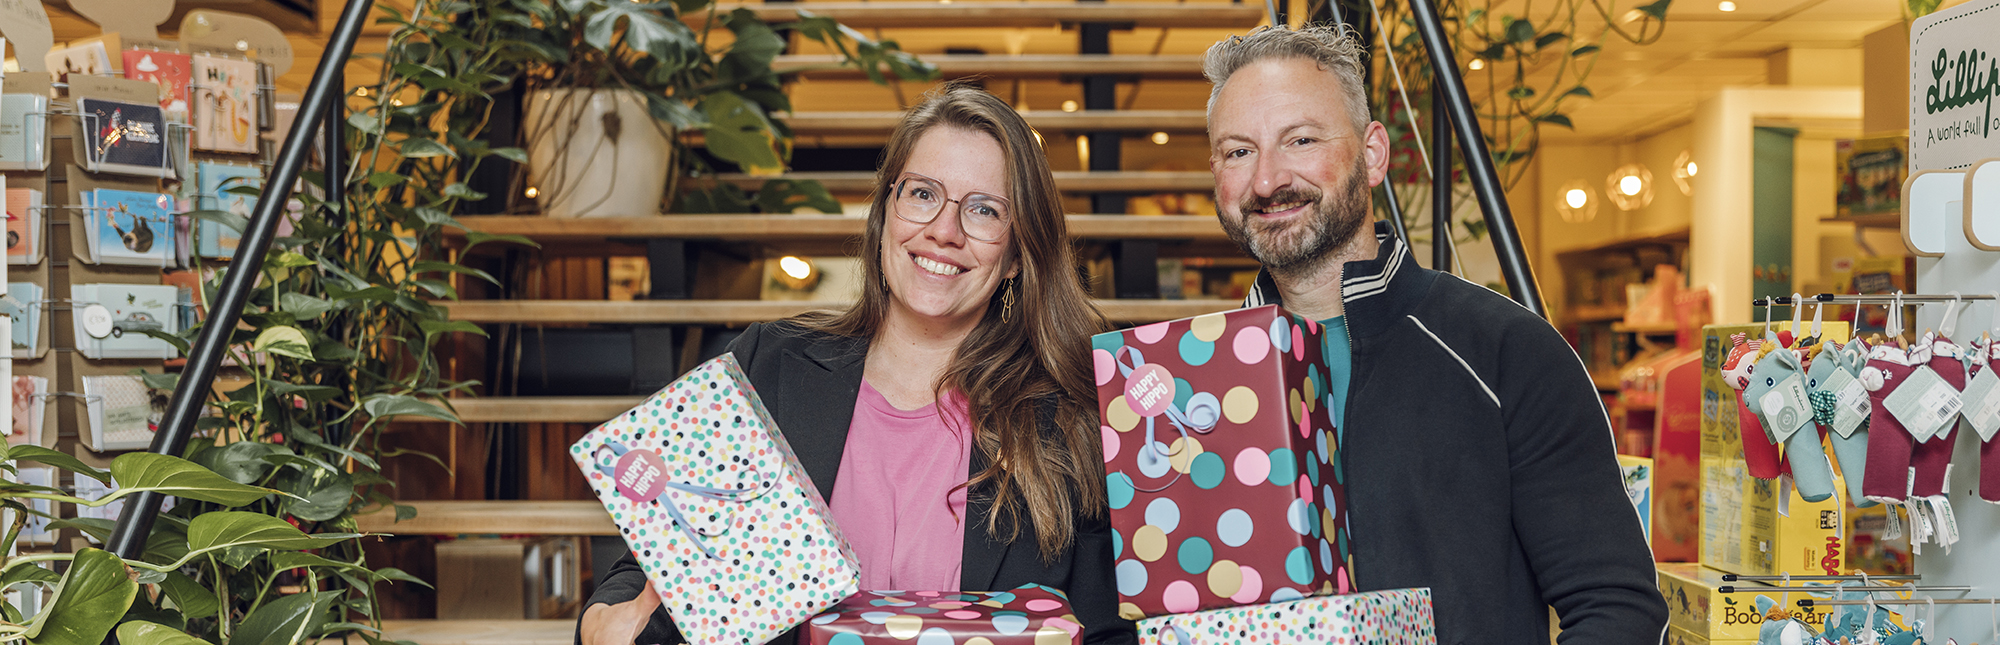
1889,444
1930,458
1830,375
1760,455
1986,358
1781,627
1776,391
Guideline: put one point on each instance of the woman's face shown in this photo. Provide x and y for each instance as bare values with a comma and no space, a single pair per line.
936,271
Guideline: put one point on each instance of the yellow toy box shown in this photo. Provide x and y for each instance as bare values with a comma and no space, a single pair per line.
1698,609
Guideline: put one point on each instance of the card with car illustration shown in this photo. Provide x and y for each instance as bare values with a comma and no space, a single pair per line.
112,319
131,227
224,91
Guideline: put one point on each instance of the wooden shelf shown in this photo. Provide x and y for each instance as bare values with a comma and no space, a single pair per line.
733,312
1873,220
480,632
539,409
833,123
1669,238
1585,314
1187,66
1656,329
502,517
1123,181
804,228
936,15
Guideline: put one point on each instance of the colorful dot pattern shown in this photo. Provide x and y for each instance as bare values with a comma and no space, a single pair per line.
1397,617
780,559
1254,510
1028,615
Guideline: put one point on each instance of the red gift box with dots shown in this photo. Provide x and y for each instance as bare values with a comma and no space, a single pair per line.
1221,463
1029,615
717,509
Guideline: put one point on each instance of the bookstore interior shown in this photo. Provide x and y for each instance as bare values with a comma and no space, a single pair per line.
499,252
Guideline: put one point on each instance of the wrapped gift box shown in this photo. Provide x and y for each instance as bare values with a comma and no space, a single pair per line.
1029,615
712,502
1395,617
1222,465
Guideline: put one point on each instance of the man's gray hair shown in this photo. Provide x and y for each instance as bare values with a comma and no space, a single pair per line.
1335,48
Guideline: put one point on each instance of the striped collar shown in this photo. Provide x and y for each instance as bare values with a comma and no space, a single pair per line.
1364,283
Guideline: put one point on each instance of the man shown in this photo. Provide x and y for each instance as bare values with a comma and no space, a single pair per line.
1480,462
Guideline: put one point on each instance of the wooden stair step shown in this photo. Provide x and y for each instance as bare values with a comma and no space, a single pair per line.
1069,181
734,312
829,123
480,632
1182,66
803,228
505,517
938,15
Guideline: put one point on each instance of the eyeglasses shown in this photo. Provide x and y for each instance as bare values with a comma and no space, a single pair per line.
919,199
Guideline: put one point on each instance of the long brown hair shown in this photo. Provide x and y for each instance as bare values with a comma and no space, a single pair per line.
1012,369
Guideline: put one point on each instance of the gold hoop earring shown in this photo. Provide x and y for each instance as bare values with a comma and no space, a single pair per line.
1007,302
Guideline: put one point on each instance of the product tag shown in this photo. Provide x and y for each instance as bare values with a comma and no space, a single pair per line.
1924,403
1850,406
1786,409
1982,406
1895,528
1947,521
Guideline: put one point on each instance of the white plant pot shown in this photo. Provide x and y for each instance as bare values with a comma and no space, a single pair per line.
595,153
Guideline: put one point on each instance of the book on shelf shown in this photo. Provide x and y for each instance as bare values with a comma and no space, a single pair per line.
24,139
128,311
24,225
170,70
130,227
225,107
23,307
123,412
223,188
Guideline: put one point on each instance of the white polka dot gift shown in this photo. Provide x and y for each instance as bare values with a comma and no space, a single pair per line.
1221,462
1029,615
717,509
1395,617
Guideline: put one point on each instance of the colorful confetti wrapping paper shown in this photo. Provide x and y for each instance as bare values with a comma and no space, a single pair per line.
1222,465
717,509
1029,615
1396,617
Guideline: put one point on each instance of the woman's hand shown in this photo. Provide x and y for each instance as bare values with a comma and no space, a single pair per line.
619,624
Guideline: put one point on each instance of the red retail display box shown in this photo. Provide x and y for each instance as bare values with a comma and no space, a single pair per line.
1028,615
1222,466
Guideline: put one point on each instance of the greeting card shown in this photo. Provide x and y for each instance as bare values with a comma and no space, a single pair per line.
124,137
169,70
129,227
225,108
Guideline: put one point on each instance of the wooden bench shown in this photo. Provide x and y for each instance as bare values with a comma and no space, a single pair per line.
806,124
737,312
1068,181
779,229
504,517
480,632
1181,66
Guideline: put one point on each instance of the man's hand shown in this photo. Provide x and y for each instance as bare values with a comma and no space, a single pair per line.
619,624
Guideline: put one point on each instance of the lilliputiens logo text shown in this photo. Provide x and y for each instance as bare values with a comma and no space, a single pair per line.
1970,79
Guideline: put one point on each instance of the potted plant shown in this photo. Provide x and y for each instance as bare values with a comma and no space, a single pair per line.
616,90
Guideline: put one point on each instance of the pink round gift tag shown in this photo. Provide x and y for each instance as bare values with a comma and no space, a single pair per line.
642,477
1149,390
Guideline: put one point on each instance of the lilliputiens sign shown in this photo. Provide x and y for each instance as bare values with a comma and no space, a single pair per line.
1954,82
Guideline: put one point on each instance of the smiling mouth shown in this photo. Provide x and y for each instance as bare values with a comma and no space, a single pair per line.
1278,208
935,267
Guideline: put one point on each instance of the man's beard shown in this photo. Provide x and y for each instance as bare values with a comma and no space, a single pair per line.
1301,244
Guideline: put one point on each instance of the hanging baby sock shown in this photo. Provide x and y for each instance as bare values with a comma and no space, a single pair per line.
1777,393
1938,401
1887,474
1834,392
1760,455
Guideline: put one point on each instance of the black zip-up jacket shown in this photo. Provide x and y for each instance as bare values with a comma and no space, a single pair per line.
1481,464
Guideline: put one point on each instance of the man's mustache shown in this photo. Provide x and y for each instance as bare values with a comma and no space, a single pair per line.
1255,204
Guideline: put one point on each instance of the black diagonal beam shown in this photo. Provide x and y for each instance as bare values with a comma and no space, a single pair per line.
128,538
1478,160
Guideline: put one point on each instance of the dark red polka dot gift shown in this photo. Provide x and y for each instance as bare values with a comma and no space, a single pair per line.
1029,615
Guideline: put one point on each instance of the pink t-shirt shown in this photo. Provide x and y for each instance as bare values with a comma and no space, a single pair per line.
894,498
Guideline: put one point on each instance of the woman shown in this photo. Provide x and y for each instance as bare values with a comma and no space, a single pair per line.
948,415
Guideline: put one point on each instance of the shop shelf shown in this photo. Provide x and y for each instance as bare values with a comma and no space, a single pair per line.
1185,66
937,15
505,517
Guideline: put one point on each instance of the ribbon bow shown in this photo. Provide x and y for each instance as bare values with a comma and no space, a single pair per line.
1200,415
608,466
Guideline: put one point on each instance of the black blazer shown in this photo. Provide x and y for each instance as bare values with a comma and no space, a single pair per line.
809,381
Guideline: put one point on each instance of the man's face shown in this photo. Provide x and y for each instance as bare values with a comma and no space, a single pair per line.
1292,176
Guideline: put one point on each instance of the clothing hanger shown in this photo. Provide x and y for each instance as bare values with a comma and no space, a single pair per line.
1894,327
1949,326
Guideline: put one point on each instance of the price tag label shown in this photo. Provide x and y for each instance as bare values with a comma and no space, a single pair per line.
1923,403
1982,403
1850,406
96,320
1785,408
